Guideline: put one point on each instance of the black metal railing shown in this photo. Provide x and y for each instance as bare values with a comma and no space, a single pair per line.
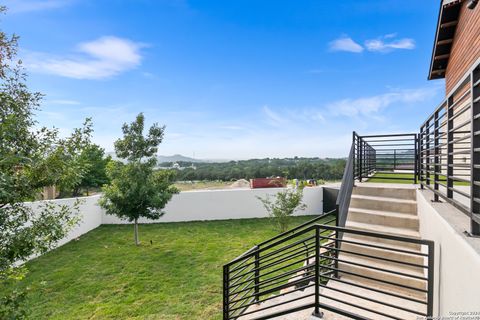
308,269
263,271
390,157
449,149
346,188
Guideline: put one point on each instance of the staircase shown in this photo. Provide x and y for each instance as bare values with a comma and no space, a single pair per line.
391,211
379,278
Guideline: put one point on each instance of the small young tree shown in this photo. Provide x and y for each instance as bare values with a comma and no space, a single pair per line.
136,189
283,205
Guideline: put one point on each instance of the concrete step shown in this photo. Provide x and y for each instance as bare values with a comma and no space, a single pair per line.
378,270
368,249
387,192
383,204
401,232
363,299
384,218
269,306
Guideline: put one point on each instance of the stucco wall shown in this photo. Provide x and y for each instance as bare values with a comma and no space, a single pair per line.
224,204
457,263
190,206
90,214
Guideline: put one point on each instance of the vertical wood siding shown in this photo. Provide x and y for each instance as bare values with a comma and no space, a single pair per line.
466,46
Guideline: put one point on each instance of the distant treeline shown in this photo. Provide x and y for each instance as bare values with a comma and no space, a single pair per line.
299,168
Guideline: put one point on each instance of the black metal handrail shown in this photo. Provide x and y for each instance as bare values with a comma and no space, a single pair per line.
381,157
449,149
363,158
386,157
300,227
345,192
298,271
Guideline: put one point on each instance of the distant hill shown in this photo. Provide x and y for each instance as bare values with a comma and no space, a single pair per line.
177,158
163,159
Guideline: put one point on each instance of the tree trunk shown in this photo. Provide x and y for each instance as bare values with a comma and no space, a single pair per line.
137,242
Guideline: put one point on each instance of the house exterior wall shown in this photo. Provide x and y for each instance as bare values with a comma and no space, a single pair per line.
466,46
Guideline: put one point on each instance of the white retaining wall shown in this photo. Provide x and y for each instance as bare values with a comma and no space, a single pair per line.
457,263
224,204
90,214
190,206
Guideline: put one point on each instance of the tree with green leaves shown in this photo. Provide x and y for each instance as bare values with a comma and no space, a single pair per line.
96,173
136,189
24,155
64,161
282,206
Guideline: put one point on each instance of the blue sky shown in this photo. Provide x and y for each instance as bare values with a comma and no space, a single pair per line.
232,79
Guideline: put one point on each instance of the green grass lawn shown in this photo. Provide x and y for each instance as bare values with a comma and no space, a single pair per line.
378,178
408,179
202,185
104,275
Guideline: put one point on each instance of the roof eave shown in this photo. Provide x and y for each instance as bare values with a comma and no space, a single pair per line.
446,26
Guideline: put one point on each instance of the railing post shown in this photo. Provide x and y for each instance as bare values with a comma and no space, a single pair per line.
421,156
257,275
394,159
430,277
226,293
371,160
337,244
354,143
364,157
416,160
317,312
360,159
427,151
436,142
368,160
475,153
449,147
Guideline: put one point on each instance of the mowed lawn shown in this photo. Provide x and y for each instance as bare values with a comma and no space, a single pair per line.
392,178
175,274
406,178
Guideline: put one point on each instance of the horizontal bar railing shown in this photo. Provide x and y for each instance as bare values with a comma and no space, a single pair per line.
386,157
449,153
299,271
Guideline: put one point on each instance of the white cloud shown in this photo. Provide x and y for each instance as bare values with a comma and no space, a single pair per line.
379,45
371,106
314,115
390,35
273,117
20,6
347,44
383,44
102,58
